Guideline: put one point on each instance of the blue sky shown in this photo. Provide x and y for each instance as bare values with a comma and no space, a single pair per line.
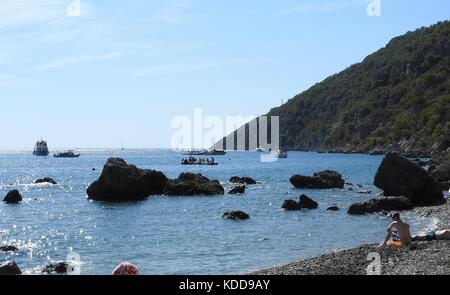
123,69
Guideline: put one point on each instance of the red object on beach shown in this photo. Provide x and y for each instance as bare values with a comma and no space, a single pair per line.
126,269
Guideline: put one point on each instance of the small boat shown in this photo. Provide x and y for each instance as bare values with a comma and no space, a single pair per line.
259,150
67,154
281,154
205,153
199,161
41,148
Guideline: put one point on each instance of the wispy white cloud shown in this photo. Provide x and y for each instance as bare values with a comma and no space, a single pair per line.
172,69
321,6
171,14
24,12
76,60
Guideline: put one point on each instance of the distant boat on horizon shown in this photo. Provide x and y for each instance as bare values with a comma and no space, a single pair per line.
66,154
41,148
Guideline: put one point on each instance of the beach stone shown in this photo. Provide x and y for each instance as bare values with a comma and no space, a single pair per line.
8,249
236,215
320,180
380,205
190,184
46,180
9,268
398,176
237,190
291,205
57,267
13,197
307,203
120,181
242,180
333,208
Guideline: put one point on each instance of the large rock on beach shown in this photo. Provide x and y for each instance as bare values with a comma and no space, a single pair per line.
381,204
120,181
46,180
320,180
9,268
190,184
398,176
13,197
242,180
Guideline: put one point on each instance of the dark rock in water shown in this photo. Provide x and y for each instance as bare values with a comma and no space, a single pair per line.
237,190
349,183
291,205
8,249
9,268
333,208
304,203
445,185
365,192
122,182
190,184
307,203
350,189
236,215
441,171
242,180
58,267
46,180
398,176
320,180
13,197
379,205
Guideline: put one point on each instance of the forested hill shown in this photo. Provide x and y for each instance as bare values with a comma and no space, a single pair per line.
397,98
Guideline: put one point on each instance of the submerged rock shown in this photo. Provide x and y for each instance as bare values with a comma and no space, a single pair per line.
242,180
333,208
380,205
320,180
398,176
46,180
13,197
8,248
190,184
57,267
237,190
9,268
236,215
120,181
291,205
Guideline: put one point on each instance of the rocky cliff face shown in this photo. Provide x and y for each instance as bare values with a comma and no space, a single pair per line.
397,99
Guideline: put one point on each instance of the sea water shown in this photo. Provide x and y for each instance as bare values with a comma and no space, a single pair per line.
183,235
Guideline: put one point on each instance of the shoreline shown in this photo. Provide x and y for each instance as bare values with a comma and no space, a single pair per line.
419,258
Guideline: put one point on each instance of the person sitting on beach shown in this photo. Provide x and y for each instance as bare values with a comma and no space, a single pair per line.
439,235
398,233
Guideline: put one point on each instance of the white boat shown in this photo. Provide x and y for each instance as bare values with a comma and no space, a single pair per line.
259,150
281,154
